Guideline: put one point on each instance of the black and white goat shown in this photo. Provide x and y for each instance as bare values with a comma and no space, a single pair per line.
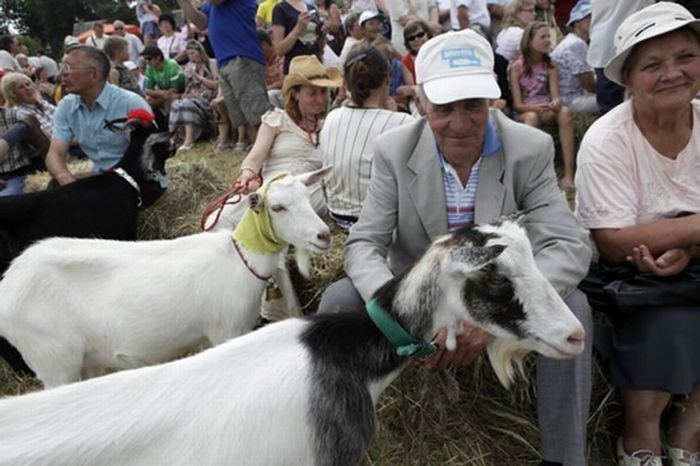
119,305
99,206
301,391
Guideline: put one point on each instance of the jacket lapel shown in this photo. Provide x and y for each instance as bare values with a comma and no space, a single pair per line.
491,192
425,184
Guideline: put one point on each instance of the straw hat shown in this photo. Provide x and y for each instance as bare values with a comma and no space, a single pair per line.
306,70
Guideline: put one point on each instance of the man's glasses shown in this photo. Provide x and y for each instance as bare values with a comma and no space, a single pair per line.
67,67
119,28
418,35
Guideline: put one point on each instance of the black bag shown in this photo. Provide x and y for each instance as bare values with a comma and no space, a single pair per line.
622,289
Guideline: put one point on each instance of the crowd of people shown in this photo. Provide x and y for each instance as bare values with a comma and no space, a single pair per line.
427,111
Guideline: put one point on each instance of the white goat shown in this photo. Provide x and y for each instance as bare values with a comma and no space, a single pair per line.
301,391
75,307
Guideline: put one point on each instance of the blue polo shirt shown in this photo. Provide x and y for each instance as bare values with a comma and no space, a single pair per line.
232,31
74,119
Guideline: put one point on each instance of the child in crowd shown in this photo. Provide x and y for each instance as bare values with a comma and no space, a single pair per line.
534,81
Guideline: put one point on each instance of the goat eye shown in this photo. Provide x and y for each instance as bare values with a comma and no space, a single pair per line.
278,208
498,280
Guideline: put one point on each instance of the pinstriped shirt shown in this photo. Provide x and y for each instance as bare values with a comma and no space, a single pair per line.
347,142
460,199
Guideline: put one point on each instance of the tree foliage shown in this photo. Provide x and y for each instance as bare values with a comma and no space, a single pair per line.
49,21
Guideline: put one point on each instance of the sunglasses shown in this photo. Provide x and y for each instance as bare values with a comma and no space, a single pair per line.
418,35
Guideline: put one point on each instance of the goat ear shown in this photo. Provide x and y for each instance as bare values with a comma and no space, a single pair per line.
255,201
469,258
315,176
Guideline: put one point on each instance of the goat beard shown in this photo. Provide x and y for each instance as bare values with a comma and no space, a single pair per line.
303,260
506,358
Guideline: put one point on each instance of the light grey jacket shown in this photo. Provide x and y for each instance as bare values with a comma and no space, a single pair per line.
405,205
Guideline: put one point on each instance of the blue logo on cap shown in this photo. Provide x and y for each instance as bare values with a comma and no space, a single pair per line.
461,58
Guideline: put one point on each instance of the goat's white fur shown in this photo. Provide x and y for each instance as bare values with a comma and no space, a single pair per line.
248,400
75,307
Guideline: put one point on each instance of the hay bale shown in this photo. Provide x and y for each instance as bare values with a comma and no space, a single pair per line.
195,179
38,181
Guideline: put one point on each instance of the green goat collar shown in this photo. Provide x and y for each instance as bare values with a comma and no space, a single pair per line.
406,344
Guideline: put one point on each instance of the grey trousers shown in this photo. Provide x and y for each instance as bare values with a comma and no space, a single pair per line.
563,386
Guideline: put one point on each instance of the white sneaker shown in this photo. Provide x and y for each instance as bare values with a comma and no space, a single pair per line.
637,458
681,457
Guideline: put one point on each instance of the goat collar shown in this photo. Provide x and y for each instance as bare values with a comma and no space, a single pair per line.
248,266
406,344
255,231
128,178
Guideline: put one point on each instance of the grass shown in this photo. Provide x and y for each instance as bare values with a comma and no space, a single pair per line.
461,416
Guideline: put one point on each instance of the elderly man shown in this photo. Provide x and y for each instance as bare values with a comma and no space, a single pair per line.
135,44
81,115
464,163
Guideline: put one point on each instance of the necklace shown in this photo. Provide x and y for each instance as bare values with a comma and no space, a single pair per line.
311,133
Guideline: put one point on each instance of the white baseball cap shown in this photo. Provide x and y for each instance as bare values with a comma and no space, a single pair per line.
70,41
456,66
368,15
652,21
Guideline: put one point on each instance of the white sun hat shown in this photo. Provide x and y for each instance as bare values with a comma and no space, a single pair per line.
652,21
456,66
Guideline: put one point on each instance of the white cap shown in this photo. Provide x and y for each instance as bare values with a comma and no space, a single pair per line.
70,41
456,66
654,20
368,15
130,65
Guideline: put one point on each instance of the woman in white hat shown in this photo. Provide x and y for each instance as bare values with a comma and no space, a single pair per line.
638,191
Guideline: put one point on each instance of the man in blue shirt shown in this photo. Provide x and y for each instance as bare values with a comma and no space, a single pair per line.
239,56
81,115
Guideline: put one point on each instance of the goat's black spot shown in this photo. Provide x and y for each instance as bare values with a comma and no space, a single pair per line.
469,234
490,296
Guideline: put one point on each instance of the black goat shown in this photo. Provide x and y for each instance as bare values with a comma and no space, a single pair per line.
100,206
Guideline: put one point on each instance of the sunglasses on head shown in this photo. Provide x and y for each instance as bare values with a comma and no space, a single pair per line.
417,35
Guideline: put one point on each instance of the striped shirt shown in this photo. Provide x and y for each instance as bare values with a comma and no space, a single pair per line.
347,143
461,199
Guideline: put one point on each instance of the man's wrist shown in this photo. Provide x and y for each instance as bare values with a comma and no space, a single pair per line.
64,177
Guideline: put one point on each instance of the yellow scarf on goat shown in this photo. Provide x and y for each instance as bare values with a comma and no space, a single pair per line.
255,231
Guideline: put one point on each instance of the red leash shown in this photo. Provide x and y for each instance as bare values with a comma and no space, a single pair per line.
222,201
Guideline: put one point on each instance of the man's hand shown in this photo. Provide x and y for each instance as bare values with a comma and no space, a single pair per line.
671,262
470,343
65,178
